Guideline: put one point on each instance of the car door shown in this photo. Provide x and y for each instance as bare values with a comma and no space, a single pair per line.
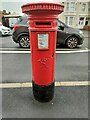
61,33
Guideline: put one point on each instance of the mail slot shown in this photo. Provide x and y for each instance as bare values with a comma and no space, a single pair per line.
43,23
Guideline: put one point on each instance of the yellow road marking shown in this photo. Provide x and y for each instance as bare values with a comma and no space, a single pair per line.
15,85
29,84
71,83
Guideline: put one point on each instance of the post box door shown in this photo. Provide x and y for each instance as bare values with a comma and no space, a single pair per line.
43,46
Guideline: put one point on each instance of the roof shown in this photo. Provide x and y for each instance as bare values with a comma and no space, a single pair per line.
13,15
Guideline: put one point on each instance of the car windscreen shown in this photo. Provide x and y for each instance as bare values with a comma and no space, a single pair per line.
62,24
22,20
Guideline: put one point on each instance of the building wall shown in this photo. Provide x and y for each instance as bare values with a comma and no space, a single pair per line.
76,13
0,16
2,13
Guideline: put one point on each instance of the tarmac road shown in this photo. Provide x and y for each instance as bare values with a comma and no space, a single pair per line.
69,67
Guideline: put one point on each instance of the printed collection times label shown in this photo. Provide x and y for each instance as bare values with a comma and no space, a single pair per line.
43,41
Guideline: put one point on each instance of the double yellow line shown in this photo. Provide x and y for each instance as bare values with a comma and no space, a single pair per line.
58,84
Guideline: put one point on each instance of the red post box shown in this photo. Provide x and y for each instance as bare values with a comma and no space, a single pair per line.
43,25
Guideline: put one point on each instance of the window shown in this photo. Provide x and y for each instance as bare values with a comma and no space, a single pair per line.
70,20
66,20
22,20
67,8
81,21
87,21
60,24
62,2
72,7
83,6
89,6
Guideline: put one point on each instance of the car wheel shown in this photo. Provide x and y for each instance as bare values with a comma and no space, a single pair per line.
72,42
24,41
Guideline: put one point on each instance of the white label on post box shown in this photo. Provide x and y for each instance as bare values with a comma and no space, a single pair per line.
42,41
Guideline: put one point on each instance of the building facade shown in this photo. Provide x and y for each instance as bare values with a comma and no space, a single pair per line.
2,13
76,13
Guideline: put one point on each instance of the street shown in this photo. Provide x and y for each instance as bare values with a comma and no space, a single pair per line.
69,67
70,101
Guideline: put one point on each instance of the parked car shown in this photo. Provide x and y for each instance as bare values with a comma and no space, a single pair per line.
4,30
66,35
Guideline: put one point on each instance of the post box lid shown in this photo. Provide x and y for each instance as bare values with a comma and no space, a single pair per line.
35,8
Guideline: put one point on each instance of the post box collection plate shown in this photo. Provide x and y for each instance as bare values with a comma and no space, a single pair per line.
43,41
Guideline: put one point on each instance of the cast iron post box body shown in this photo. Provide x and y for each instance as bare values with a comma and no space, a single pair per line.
43,25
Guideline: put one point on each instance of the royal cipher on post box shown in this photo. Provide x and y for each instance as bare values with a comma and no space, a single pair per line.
43,25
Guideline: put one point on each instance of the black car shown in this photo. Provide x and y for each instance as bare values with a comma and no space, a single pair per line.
66,35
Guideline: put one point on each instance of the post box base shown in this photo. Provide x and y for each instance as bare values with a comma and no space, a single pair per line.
43,93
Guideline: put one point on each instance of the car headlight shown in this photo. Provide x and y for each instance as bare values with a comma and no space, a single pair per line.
80,32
